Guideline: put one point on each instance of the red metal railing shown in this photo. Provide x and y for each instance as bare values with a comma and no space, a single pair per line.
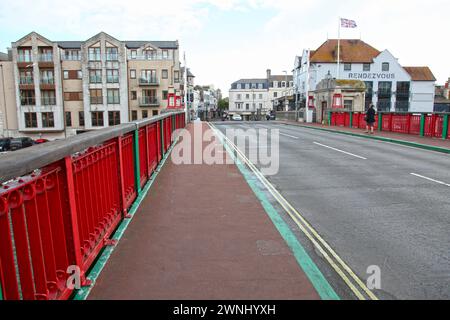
434,125
64,212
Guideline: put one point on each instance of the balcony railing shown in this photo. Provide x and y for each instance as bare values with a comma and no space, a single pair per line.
28,101
22,58
96,100
46,57
149,57
47,80
95,79
149,81
48,101
26,80
113,79
94,57
149,101
112,57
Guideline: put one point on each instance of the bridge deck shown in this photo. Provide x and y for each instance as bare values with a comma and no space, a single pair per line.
201,233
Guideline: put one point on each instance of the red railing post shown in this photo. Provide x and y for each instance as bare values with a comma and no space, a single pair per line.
74,220
121,177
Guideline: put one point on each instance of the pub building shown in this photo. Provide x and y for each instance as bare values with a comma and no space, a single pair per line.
388,85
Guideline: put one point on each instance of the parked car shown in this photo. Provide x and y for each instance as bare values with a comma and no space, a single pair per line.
40,141
237,117
270,116
20,143
5,144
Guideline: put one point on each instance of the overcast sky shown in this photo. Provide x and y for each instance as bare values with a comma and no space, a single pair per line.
226,40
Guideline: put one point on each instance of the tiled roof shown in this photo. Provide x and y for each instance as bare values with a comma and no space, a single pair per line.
251,81
352,51
69,44
281,78
420,73
159,44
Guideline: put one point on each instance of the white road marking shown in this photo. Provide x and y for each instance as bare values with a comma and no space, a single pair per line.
287,135
342,151
430,179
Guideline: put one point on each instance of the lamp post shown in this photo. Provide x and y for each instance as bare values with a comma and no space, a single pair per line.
285,91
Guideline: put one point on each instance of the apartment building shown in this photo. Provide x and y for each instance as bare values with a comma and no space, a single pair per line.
61,88
389,85
249,98
280,86
253,97
154,72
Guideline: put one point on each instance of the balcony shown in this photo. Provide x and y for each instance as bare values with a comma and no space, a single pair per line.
112,57
112,79
155,57
153,81
26,80
46,57
24,58
48,101
149,101
95,79
27,101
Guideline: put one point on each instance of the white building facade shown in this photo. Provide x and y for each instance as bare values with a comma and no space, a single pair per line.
389,86
249,97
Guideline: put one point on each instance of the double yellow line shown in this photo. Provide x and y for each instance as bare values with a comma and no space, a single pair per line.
355,284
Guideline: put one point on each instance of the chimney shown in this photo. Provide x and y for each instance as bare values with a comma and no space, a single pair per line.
269,73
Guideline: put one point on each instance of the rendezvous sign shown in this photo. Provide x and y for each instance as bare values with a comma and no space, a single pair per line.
371,76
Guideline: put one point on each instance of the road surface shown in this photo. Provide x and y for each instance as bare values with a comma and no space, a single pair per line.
375,203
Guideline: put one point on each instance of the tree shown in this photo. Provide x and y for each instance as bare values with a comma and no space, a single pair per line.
223,104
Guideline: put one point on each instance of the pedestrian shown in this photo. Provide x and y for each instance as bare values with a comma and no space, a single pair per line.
370,119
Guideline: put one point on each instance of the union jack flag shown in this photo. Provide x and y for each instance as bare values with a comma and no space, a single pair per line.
345,23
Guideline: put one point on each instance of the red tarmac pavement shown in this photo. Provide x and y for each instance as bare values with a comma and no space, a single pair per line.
437,142
201,233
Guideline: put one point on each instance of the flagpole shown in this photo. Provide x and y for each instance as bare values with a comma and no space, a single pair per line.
339,50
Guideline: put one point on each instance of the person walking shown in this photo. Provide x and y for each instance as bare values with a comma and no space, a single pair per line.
370,119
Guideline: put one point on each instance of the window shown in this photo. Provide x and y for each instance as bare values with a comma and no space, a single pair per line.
402,96
96,96
48,120
260,85
133,95
154,113
148,76
254,96
79,74
144,114
73,96
165,93
97,118
81,118
112,76
283,84
165,74
46,54
165,54
149,54
176,76
48,98
68,119
347,67
132,73
133,115
73,55
26,76
94,54
95,76
348,104
133,54
385,66
27,98
47,77
24,55
113,96
238,86
112,54
384,88
260,96
247,106
369,93
366,67
247,96
30,120
66,74
113,118
238,96
275,94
